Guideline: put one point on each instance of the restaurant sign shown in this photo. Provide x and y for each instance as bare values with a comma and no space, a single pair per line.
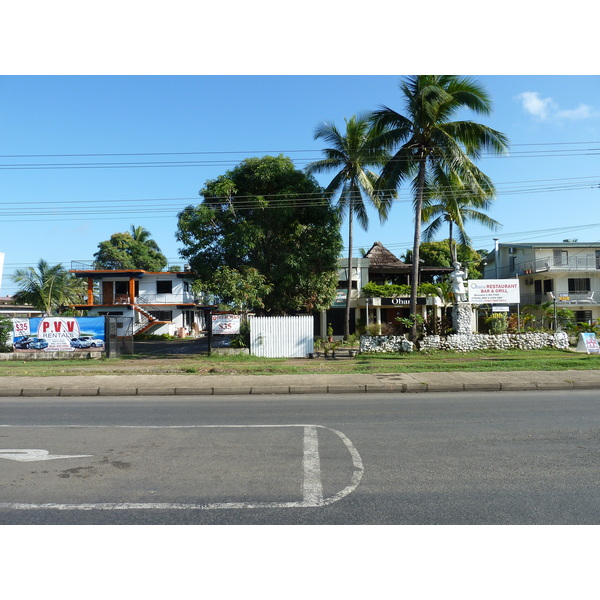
494,291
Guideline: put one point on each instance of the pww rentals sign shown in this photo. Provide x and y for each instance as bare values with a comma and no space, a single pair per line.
494,291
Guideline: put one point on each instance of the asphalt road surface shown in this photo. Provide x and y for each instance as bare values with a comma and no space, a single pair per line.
496,458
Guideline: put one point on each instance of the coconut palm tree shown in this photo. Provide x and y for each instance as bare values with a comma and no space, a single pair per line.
455,204
426,136
48,288
351,154
142,235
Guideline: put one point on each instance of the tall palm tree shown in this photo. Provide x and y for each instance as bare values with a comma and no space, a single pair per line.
351,154
426,137
142,235
455,204
48,288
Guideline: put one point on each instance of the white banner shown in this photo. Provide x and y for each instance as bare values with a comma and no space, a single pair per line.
494,291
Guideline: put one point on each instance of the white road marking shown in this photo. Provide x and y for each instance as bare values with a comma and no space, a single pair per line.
312,487
312,490
31,454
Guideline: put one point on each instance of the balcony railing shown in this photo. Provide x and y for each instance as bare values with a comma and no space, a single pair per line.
575,263
564,299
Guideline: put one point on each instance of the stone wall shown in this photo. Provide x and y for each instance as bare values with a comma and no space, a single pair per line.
466,342
505,341
385,343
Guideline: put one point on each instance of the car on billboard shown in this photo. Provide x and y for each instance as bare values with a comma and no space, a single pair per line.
81,342
94,342
38,343
22,343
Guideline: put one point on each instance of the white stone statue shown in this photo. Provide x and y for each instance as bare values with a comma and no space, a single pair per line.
457,279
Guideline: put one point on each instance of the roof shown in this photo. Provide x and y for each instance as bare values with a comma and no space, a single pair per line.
380,256
383,261
563,244
137,273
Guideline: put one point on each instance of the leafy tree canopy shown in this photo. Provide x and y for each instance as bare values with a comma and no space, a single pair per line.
437,254
240,290
266,215
122,251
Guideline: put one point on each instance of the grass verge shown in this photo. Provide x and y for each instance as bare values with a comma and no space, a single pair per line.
492,360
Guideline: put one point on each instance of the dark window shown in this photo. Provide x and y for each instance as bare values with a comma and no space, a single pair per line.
164,287
583,316
580,284
121,287
162,315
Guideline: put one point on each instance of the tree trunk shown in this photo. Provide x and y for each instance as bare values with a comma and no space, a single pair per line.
416,246
453,254
349,275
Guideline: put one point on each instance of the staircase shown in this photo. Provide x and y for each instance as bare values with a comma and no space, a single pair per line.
146,322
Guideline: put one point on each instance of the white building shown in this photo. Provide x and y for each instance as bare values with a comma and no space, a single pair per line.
157,303
568,272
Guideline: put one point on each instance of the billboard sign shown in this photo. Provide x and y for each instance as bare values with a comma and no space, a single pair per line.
226,324
58,334
494,291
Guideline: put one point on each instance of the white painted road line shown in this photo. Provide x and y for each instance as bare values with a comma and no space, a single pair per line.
312,485
313,488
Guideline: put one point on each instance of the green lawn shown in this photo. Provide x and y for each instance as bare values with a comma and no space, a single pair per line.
493,360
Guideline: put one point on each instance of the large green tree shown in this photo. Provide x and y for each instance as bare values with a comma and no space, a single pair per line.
50,288
425,137
454,204
351,154
266,215
123,251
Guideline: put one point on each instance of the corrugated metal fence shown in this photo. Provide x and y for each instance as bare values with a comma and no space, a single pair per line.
282,337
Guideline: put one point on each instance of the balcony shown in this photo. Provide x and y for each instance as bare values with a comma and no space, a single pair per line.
575,263
565,299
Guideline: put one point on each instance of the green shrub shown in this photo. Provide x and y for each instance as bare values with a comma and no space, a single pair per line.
389,290
497,323
5,334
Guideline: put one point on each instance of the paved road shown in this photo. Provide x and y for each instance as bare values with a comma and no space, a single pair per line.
461,458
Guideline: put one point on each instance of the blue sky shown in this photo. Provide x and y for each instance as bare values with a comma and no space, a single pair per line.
60,207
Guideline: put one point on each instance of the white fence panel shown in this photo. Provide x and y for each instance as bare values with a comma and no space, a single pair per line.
282,337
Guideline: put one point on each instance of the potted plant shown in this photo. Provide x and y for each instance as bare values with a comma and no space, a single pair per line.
330,332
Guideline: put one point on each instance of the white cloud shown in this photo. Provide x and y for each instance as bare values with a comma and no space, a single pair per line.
583,111
536,106
546,108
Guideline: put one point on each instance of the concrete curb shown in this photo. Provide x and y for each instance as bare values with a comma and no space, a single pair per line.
401,388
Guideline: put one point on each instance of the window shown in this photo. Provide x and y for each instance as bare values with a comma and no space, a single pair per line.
162,315
561,258
548,285
121,287
164,287
583,316
580,284
343,284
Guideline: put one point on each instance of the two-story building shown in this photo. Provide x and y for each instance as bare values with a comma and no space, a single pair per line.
567,272
379,266
156,303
